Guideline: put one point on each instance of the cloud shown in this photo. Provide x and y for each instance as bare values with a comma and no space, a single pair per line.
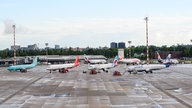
96,26
170,30
162,30
101,31
8,26
102,26
116,25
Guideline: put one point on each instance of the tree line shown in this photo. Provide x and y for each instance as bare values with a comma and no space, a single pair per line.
107,52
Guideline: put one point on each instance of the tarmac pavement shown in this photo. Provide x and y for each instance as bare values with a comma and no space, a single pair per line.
166,88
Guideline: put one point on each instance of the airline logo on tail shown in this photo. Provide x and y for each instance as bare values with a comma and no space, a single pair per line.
86,58
115,61
120,57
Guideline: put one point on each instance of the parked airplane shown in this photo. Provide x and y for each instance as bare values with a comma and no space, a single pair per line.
167,60
64,67
23,68
129,61
149,67
104,67
94,61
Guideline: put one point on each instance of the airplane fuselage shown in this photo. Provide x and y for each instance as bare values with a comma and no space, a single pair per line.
60,66
146,68
64,67
97,61
132,60
103,67
20,67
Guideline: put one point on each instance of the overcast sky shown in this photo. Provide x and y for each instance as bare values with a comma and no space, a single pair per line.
94,23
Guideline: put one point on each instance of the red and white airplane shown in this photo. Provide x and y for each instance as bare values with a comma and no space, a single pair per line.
63,68
130,60
95,61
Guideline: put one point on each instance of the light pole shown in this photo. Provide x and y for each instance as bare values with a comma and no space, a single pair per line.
190,48
147,48
46,44
14,45
129,49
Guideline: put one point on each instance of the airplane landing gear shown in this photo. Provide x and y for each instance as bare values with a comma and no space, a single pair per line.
23,70
117,73
84,71
63,70
93,72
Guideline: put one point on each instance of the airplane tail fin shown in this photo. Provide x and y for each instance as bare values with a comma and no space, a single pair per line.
120,57
86,58
76,61
159,57
35,61
115,61
168,58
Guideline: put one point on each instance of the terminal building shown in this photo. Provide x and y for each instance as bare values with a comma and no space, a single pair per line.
19,61
57,59
51,59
